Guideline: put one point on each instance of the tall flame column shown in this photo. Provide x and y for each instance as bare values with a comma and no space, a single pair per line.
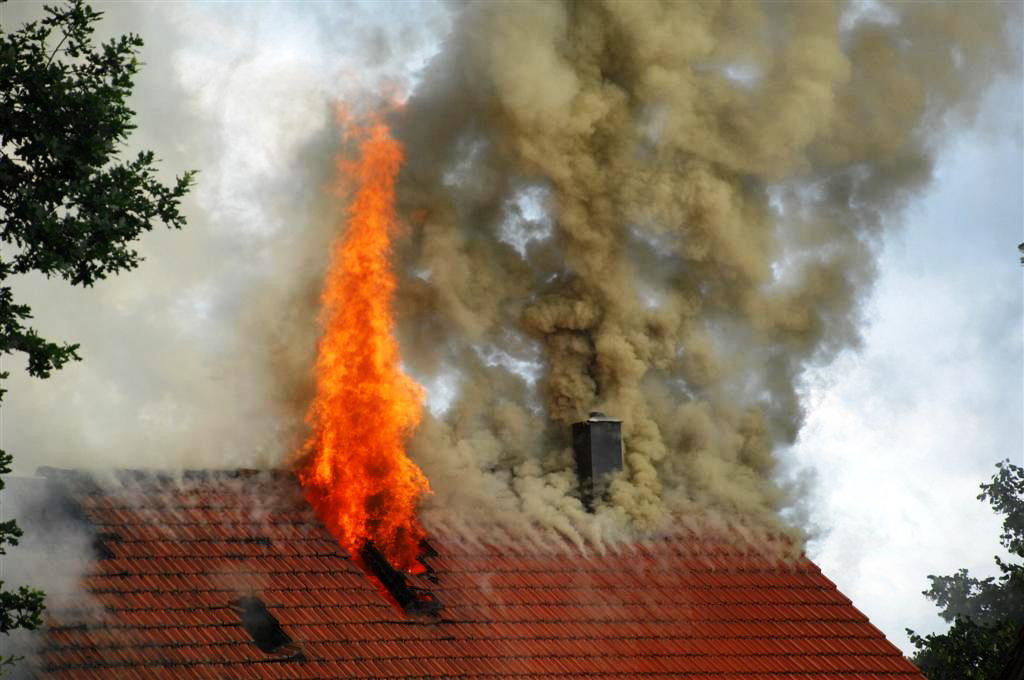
355,472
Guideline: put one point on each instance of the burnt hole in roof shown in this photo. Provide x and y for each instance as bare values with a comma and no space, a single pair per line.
265,629
427,550
411,599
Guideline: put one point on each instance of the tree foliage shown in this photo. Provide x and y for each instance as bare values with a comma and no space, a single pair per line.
70,207
21,608
986,614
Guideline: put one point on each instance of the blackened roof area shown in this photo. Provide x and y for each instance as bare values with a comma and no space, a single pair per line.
180,555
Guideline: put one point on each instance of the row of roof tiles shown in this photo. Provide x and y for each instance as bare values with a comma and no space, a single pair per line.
860,651
327,670
462,664
688,576
858,637
309,574
778,602
302,610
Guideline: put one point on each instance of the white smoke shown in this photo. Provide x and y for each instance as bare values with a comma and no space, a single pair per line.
197,358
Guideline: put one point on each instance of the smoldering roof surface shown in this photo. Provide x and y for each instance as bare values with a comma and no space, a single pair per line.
180,553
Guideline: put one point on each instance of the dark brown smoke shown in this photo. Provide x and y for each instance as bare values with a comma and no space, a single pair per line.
714,180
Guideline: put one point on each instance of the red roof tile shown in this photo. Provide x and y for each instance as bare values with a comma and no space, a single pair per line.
683,606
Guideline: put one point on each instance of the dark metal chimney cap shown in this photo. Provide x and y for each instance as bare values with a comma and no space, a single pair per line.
600,417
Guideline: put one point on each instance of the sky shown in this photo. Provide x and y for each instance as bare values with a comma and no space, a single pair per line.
900,432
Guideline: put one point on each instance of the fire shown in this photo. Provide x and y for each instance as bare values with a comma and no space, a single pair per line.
355,472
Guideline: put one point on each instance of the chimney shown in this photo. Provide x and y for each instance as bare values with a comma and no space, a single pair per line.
597,444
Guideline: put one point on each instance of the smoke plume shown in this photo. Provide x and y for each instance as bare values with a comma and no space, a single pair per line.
666,211
663,210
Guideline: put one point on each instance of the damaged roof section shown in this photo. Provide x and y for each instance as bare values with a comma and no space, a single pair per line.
231,575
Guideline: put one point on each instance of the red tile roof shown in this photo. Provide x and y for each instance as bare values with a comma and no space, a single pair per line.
177,554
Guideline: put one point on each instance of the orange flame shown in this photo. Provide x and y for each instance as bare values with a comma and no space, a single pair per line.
355,472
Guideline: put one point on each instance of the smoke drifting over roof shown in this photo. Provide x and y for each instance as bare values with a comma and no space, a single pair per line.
665,211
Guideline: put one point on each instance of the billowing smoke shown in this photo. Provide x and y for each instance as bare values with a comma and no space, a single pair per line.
665,211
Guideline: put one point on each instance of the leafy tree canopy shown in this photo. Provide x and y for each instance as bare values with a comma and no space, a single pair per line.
70,207
986,614
21,608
